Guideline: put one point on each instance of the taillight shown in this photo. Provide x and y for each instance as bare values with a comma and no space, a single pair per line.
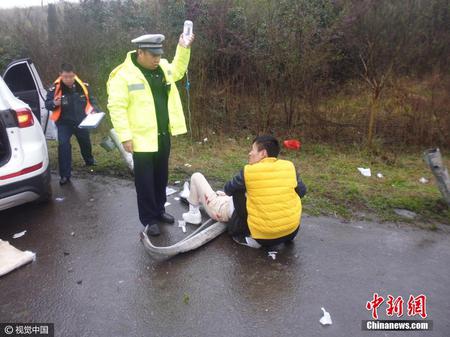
24,117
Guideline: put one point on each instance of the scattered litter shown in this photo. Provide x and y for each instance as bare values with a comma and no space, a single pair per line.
177,198
188,165
267,310
72,233
59,199
167,204
19,235
92,170
91,199
423,180
248,138
326,318
365,171
12,258
79,281
121,281
252,242
213,133
205,140
405,213
177,182
247,241
199,143
182,225
379,175
292,144
170,191
272,254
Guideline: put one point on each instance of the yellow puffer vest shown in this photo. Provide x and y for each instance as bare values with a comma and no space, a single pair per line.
131,105
274,208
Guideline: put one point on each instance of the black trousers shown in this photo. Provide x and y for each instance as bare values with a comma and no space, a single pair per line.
151,174
65,132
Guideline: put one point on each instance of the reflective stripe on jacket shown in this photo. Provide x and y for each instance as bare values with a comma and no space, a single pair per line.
58,93
131,105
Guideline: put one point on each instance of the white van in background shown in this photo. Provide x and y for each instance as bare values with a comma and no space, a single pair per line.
24,163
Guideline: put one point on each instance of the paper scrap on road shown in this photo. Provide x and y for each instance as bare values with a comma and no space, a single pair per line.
167,204
177,182
423,180
177,198
365,171
182,225
12,258
246,241
19,235
188,165
59,199
170,191
252,242
326,318
272,254
379,175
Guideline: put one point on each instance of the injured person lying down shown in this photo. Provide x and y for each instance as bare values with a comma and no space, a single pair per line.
262,201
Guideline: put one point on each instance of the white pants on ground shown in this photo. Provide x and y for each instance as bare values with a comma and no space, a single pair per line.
217,206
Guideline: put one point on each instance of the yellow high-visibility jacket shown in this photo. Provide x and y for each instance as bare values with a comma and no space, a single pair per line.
131,105
274,207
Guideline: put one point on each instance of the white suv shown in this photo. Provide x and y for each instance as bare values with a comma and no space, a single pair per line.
24,163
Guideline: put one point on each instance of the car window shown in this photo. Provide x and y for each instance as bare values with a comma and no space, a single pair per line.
18,78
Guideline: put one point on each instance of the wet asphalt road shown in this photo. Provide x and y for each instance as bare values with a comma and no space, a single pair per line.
100,282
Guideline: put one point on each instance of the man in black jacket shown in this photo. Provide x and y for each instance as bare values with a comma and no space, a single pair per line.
70,101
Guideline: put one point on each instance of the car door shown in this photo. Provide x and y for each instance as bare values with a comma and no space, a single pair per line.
24,81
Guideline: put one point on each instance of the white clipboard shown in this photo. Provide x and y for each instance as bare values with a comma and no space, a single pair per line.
91,121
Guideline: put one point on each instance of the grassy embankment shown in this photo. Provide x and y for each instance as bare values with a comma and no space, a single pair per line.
335,185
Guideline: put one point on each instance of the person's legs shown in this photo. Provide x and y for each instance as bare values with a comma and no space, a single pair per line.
217,206
161,172
144,182
237,226
85,145
64,149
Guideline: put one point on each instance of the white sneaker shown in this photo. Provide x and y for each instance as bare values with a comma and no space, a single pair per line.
185,192
193,217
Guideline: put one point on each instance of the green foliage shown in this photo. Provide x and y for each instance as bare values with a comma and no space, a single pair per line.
262,65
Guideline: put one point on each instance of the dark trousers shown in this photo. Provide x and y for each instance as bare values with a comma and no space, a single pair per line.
151,174
65,132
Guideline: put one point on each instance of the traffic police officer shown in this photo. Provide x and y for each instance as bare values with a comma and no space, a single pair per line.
145,109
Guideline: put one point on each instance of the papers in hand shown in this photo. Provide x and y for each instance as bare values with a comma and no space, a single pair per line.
91,121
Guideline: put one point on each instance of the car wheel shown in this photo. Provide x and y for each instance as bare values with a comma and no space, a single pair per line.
45,196
46,193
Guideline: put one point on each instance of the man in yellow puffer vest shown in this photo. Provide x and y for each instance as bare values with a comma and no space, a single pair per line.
146,109
262,201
